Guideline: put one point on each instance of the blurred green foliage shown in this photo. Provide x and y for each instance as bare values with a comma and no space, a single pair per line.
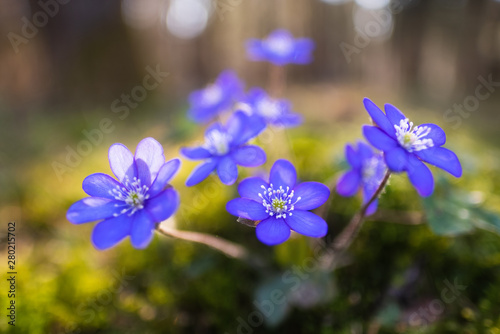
392,280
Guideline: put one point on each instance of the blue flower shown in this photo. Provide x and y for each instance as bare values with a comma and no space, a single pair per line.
206,103
280,48
225,148
134,204
281,205
406,147
367,171
277,112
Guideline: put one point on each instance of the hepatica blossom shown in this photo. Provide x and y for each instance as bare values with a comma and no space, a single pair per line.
225,148
206,103
367,171
132,205
281,205
406,146
280,48
277,112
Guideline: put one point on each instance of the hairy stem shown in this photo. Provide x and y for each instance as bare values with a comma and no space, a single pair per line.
347,236
222,245
344,239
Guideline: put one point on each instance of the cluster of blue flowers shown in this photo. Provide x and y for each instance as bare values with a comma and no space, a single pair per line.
142,197
403,148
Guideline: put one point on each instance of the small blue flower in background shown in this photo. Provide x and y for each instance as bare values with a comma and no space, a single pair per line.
277,112
280,48
406,147
134,204
367,171
206,103
225,148
281,205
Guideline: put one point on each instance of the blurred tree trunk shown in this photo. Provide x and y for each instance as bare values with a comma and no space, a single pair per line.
87,54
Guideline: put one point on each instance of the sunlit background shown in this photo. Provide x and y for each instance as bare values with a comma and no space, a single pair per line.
65,63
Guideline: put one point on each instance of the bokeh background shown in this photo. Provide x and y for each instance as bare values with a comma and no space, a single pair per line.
64,63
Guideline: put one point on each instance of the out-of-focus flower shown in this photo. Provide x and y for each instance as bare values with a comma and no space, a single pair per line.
280,48
406,147
206,103
281,205
225,148
277,112
134,204
367,171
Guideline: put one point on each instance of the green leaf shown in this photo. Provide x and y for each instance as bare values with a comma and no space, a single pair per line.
276,296
318,288
271,299
446,217
451,211
389,314
486,220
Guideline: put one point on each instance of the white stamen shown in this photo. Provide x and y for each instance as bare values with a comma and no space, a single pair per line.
269,108
212,95
373,170
133,196
217,142
281,46
412,138
278,202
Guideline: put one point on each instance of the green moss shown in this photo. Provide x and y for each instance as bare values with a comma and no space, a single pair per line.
174,286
